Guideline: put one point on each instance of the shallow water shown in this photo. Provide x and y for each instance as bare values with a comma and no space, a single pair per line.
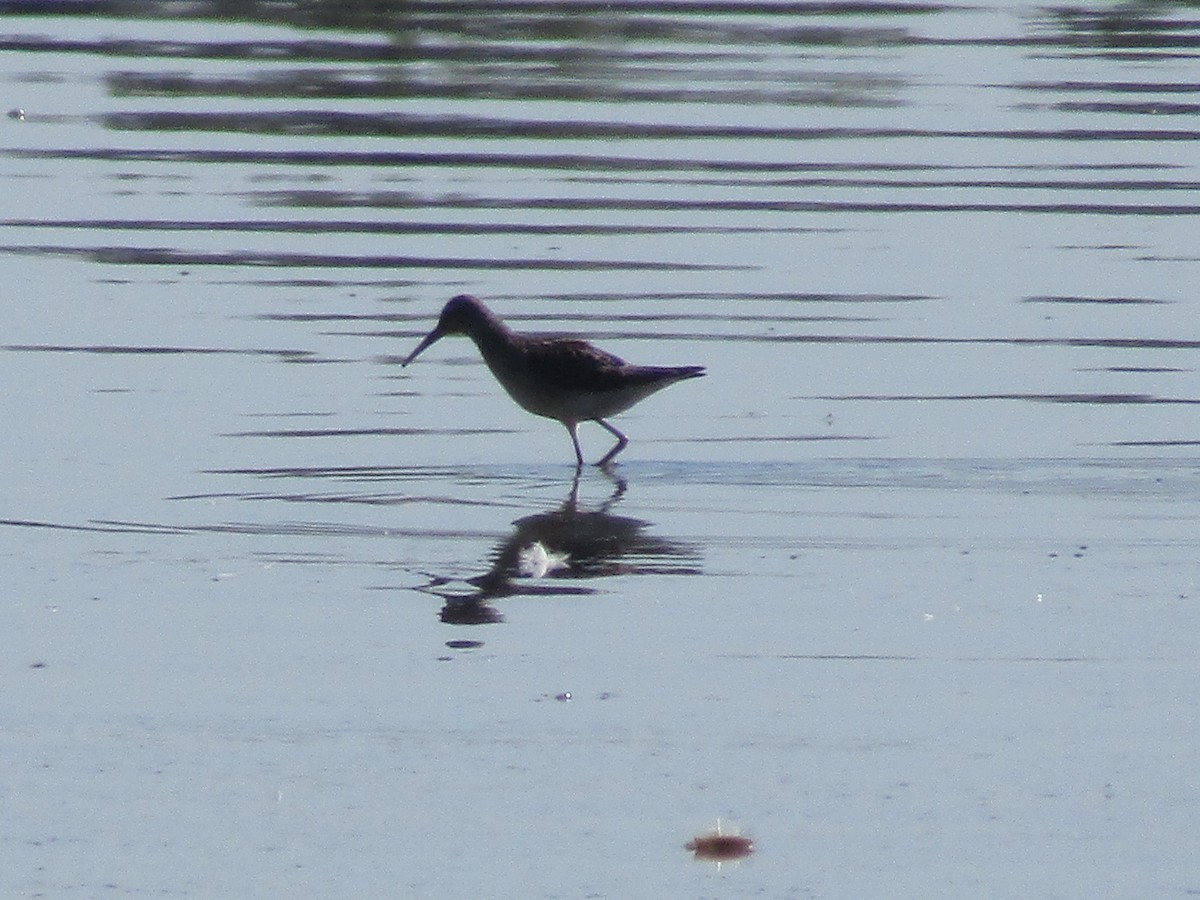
905,588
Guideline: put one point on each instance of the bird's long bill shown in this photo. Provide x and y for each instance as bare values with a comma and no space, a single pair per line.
430,339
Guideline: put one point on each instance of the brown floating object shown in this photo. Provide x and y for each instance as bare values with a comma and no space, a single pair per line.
719,847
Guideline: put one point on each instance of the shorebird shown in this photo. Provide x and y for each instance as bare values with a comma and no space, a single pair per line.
559,378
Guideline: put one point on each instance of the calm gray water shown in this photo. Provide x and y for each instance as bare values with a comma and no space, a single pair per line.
905,588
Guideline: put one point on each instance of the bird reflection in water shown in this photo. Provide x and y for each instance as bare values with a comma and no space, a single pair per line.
547,551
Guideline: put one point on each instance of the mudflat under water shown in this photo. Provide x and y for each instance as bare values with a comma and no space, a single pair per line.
905,588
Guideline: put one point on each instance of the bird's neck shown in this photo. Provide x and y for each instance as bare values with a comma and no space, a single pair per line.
494,339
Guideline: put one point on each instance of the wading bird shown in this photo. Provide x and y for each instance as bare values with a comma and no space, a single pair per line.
559,378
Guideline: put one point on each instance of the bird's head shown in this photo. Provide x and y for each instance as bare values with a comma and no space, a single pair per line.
460,315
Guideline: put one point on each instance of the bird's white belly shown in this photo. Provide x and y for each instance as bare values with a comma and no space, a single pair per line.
563,404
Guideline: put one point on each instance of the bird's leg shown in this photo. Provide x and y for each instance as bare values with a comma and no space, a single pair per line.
572,428
621,442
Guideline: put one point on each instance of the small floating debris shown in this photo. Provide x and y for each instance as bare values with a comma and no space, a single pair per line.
560,697
718,846
464,645
535,561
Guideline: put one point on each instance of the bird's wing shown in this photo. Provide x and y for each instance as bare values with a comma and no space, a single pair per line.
575,364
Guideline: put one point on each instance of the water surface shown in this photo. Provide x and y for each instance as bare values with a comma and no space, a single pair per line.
905,587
